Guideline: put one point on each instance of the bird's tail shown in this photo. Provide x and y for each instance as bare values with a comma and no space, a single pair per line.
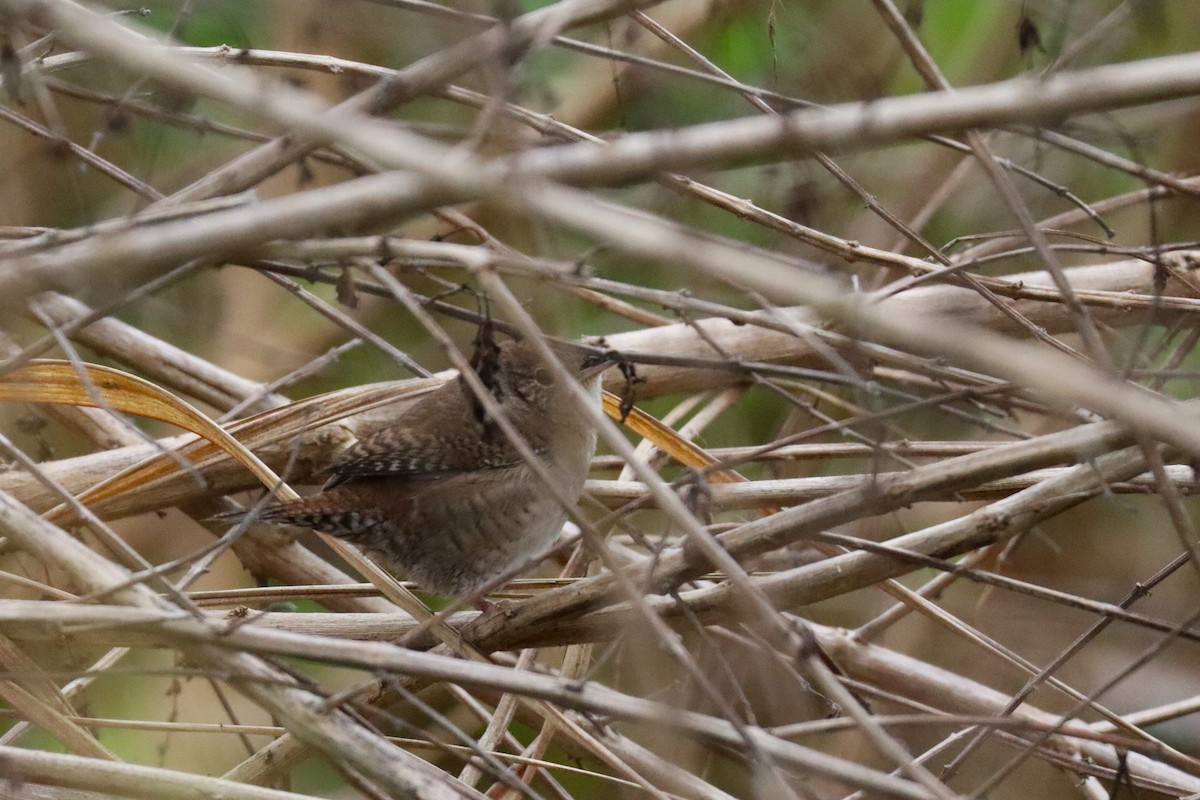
325,512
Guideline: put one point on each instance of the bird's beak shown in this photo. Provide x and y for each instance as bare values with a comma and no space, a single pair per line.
594,363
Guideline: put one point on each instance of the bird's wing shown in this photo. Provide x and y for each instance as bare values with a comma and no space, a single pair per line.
422,454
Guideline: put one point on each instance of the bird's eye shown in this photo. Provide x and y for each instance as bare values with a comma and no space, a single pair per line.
543,376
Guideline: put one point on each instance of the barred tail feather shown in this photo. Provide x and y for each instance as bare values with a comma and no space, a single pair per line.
323,513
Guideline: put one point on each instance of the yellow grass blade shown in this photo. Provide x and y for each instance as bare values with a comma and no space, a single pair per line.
55,381
667,440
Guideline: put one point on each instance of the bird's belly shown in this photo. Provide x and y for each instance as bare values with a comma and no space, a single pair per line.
469,530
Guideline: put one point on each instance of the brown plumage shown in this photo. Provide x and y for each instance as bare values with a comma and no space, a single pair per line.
444,497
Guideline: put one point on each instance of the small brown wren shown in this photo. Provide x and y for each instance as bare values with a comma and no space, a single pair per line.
443,497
